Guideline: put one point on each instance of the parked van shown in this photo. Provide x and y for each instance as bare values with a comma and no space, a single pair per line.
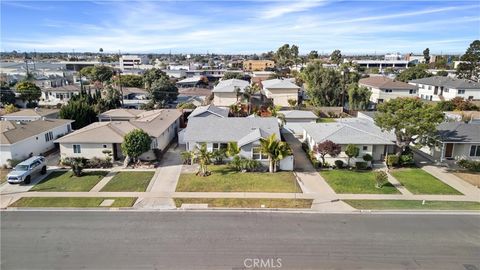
27,169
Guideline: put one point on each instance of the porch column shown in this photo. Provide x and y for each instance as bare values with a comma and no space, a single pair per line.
442,152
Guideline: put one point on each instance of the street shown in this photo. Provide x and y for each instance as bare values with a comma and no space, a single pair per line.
220,240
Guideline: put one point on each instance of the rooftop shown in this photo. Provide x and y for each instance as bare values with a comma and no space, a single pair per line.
40,112
13,132
383,82
279,83
229,86
448,82
220,112
299,114
459,132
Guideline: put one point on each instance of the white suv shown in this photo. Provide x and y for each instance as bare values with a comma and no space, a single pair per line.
25,170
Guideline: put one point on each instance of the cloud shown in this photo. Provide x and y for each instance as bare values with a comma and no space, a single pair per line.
279,10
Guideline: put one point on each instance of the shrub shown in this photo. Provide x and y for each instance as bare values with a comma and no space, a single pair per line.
243,164
361,165
305,147
367,157
381,178
95,163
470,165
339,163
11,163
392,160
331,114
406,160
78,164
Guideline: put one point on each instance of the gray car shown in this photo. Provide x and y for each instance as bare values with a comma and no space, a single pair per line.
27,169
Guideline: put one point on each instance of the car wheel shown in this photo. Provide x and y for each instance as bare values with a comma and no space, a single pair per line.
44,170
27,180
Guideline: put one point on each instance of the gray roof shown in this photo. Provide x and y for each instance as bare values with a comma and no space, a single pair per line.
448,82
13,132
299,114
279,83
218,111
233,129
228,86
349,131
459,132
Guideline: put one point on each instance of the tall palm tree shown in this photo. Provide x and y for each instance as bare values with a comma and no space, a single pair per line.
204,158
275,149
248,94
238,92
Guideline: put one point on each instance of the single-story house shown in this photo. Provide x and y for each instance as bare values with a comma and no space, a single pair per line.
456,140
225,93
280,91
217,132
439,88
21,139
58,95
209,111
384,88
368,137
26,115
92,140
125,114
294,120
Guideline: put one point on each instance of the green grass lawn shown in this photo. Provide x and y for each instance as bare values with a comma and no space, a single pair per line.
66,181
129,181
326,120
355,182
224,179
247,203
71,202
419,181
412,204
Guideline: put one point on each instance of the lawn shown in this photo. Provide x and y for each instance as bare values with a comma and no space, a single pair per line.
326,120
71,202
66,181
412,204
355,182
224,179
247,203
419,181
469,177
129,181
3,174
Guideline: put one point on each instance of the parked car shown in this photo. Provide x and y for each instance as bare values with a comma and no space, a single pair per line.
27,169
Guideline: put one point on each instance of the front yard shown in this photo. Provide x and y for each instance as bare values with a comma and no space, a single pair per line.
3,174
469,177
79,202
66,181
412,204
129,182
246,203
355,182
224,179
419,181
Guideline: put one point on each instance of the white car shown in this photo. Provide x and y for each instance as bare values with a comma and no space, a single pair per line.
25,170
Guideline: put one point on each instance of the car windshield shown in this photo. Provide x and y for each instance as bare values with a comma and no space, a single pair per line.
21,168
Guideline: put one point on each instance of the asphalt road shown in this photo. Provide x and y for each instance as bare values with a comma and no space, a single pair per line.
206,240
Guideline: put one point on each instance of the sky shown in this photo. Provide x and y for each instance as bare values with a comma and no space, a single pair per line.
354,27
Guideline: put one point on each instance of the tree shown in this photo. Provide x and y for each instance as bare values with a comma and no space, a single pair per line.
232,75
417,72
358,97
77,164
275,149
336,57
186,105
130,80
351,151
7,96
135,143
152,75
80,111
188,157
232,149
442,73
312,55
441,62
163,91
204,158
324,85
469,68
100,74
381,178
410,119
248,94
292,102
327,148
294,53
426,55
28,91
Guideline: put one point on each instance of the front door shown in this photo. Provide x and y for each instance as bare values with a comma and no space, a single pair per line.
448,150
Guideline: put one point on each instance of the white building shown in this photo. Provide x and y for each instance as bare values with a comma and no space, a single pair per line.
58,95
130,62
384,88
27,115
439,88
227,92
279,91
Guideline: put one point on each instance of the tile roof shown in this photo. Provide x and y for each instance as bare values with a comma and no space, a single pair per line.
383,82
228,86
459,132
12,131
448,82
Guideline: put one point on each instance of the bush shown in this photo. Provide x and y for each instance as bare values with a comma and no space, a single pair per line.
392,160
305,147
338,163
381,178
367,157
361,165
11,163
95,163
78,164
406,160
243,164
470,165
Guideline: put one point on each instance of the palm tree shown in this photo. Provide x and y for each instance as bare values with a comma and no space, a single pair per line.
274,111
188,157
238,92
204,158
275,149
248,93
232,149
235,109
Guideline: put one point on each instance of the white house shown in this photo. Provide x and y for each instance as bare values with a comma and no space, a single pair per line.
279,91
226,92
58,95
439,88
26,115
21,139
94,139
384,88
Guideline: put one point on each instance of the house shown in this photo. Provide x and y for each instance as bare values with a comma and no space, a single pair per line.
227,92
258,65
456,140
217,132
134,97
279,91
209,111
121,115
438,88
384,88
196,81
26,115
195,95
368,137
21,139
58,95
259,76
97,138
294,120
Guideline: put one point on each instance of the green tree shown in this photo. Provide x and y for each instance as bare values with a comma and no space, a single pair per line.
100,74
7,96
152,75
232,75
312,55
426,55
410,119
358,97
135,143
351,151
248,94
163,91
292,103
204,158
275,149
80,111
324,85
28,91
441,62
469,68
10,108
416,72
442,73
232,149
336,57
131,80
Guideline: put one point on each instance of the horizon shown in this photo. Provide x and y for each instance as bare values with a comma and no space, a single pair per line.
239,27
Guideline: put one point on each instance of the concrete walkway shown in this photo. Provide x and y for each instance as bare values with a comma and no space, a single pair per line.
397,184
104,180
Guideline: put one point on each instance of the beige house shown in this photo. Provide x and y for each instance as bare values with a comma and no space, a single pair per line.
227,92
280,91
384,89
98,138
257,65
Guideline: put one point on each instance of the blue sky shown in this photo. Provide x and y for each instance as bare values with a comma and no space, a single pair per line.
239,26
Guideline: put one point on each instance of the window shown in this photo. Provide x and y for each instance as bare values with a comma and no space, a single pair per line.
446,90
215,146
69,128
388,90
475,151
154,144
48,136
421,96
77,149
461,92
365,148
257,153
104,146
